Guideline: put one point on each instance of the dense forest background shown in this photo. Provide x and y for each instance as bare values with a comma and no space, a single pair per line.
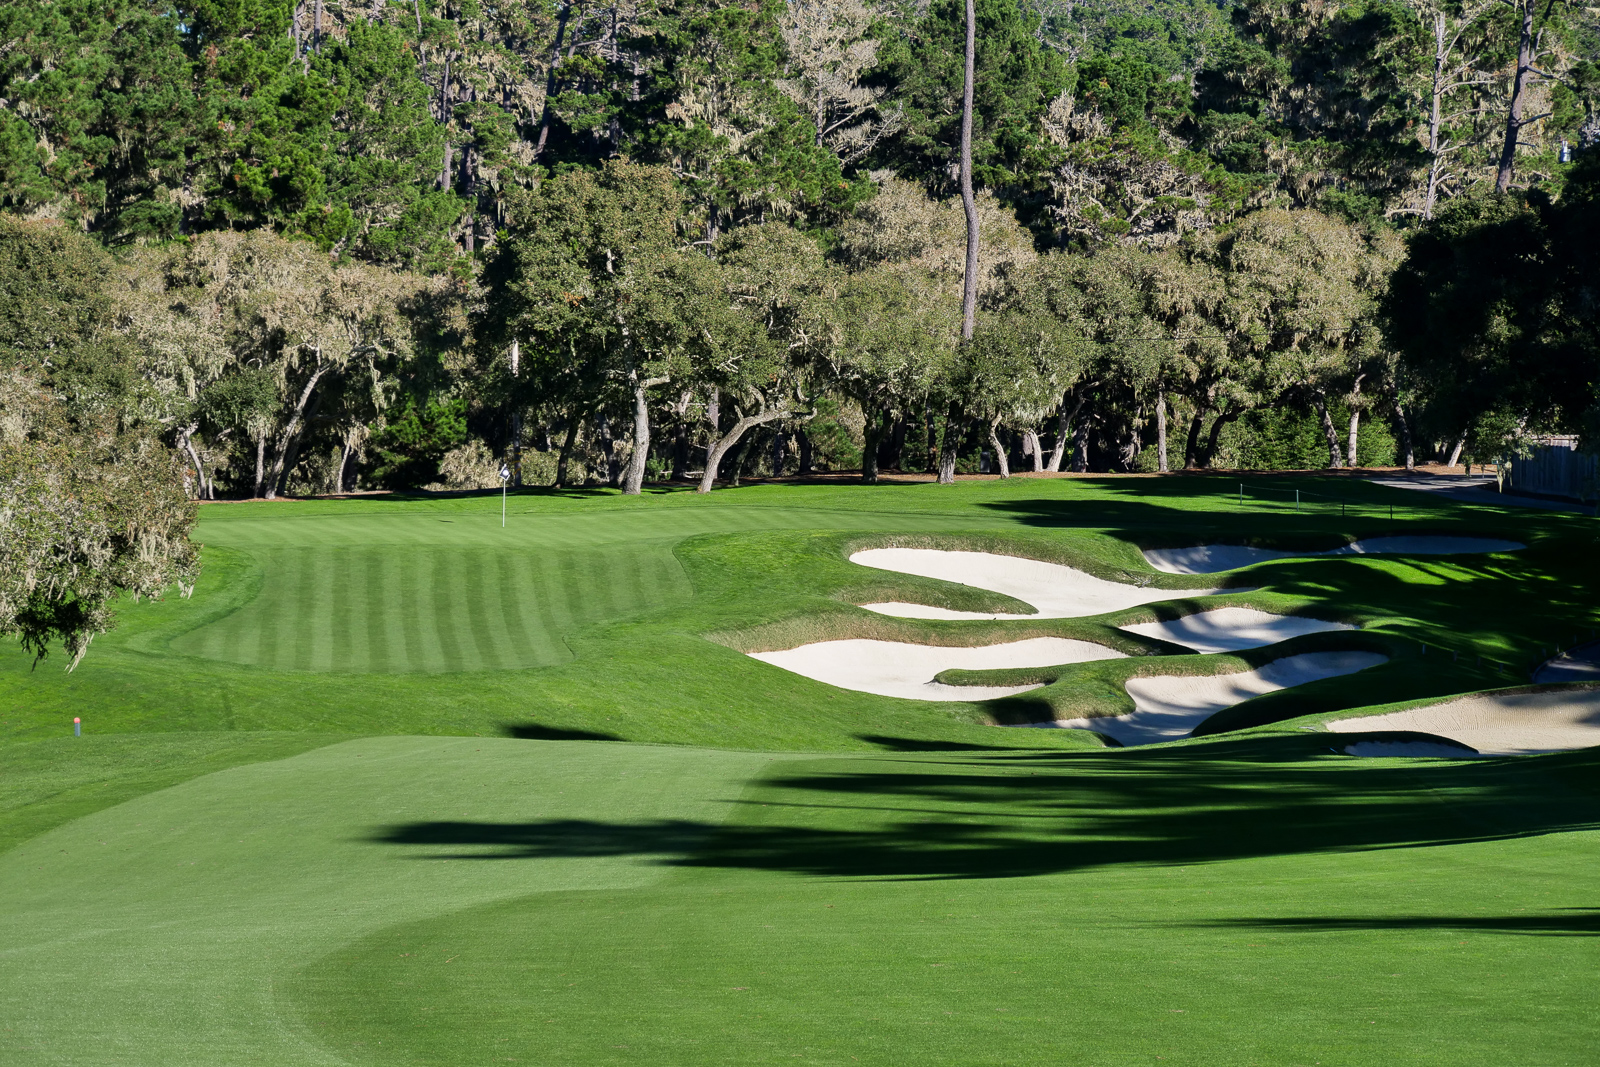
310,246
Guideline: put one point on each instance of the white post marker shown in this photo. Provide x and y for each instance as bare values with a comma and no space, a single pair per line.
505,479
77,726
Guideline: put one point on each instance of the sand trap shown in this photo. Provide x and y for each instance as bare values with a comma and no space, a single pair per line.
1509,724
894,669
1230,629
1058,592
1171,706
1209,559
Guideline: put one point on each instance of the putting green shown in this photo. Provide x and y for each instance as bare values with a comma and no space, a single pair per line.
398,592
160,931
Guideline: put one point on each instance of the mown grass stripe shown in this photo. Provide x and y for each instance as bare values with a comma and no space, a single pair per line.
510,577
444,615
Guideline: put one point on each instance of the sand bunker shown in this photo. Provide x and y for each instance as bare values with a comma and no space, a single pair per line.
1171,706
1058,592
1505,724
894,669
1210,559
1230,629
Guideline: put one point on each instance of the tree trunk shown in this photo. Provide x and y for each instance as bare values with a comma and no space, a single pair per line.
1355,418
1519,99
291,434
871,433
1455,451
803,440
634,481
261,460
950,446
680,436
1331,435
1191,449
720,446
780,448
550,79
889,455
969,281
1080,446
1135,442
714,421
186,435
607,449
344,459
1435,119
1216,435
1000,460
1064,424
565,456
316,32
1405,433
1032,447
1161,429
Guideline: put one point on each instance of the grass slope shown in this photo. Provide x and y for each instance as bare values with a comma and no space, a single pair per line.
234,867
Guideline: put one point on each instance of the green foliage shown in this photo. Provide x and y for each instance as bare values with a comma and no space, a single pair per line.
415,437
1015,80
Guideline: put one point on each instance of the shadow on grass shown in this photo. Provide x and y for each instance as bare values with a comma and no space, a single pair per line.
993,815
913,744
1568,922
532,731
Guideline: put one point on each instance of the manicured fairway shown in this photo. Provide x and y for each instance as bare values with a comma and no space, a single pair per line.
350,804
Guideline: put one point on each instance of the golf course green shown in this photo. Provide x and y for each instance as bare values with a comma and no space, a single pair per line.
400,785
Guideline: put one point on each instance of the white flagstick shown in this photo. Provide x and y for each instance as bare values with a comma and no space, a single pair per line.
505,479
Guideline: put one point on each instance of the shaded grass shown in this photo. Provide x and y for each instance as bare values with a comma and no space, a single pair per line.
1227,902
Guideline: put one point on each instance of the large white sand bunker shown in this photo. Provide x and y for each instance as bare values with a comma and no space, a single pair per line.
1500,724
1230,629
1171,706
894,669
1058,592
1210,559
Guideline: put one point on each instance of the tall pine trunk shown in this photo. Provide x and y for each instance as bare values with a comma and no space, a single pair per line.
1161,429
1519,99
969,204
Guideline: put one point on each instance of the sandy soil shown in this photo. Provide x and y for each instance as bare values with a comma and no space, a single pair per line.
1229,629
1058,592
894,669
1210,559
1500,724
1171,706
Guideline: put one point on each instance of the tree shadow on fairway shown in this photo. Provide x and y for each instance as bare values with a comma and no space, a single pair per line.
1565,922
989,815
532,731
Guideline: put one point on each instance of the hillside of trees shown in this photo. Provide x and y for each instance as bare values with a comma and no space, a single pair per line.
305,246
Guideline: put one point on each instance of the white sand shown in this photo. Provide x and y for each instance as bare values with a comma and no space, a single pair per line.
1209,559
1409,750
1500,724
1171,706
1229,629
894,669
1058,592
